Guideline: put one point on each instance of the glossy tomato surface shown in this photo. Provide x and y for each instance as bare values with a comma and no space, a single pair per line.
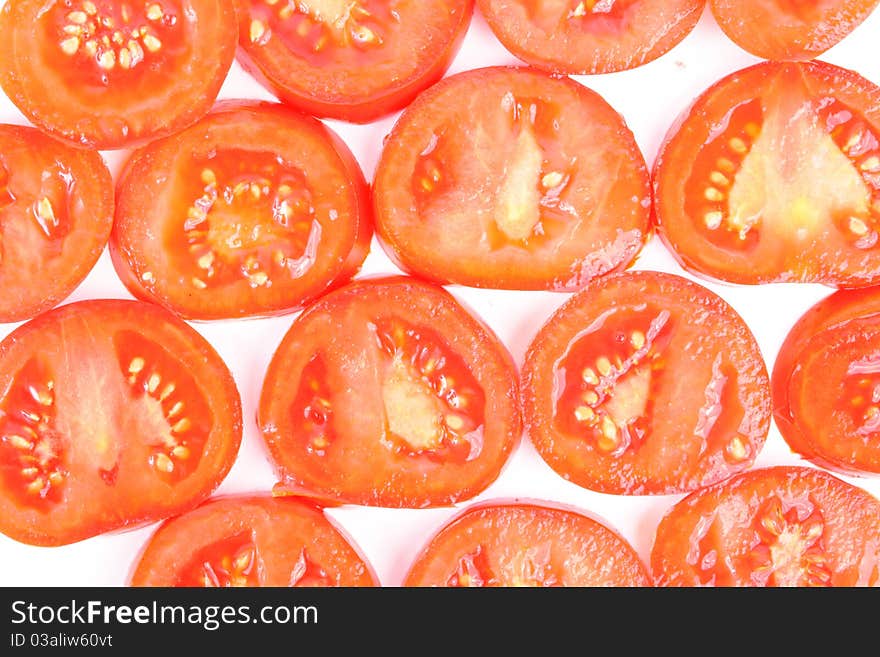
789,29
110,74
521,544
774,176
113,414
646,383
252,211
826,383
510,178
56,211
354,60
782,526
590,36
251,541
387,392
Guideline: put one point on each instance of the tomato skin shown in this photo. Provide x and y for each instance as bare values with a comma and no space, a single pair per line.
718,520
282,530
582,552
766,30
123,494
102,120
364,468
671,453
135,197
337,104
84,218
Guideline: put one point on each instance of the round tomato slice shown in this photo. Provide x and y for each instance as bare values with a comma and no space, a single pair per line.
646,383
783,526
56,210
526,545
789,29
590,36
252,211
110,74
511,178
734,199
389,393
251,541
113,413
826,383
354,60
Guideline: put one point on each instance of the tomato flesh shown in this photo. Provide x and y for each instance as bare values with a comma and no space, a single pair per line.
257,208
388,393
251,541
783,526
355,60
492,545
646,383
114,414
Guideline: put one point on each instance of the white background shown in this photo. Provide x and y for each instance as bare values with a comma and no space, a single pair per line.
649,98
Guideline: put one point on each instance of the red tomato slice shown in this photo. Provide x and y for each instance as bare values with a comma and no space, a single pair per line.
252,211
110,74
646,383
495,178
590,36
782,526
789,29
354,60
56,210
389,393
526,545
113,414
826,383
251,541
734,200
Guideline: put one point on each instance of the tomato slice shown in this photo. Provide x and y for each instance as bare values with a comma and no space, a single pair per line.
493,178
251,541
590,36
252,211
734,200
389,393
782,526
826,383
646,383
789,29
56,210
502,544
113,413
110,74
355,60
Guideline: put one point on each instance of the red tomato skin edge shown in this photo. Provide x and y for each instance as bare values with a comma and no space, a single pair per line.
356,256
132,569
286,486
368,109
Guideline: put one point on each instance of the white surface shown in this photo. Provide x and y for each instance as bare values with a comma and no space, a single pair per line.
649,98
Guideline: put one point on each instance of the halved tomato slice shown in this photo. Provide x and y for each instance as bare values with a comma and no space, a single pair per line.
354,60
56,211
774,176
110,74
252,211
826,383
590,36
782,526
646,383
511,178
499,544
251,541
113,413
389,393
789,29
